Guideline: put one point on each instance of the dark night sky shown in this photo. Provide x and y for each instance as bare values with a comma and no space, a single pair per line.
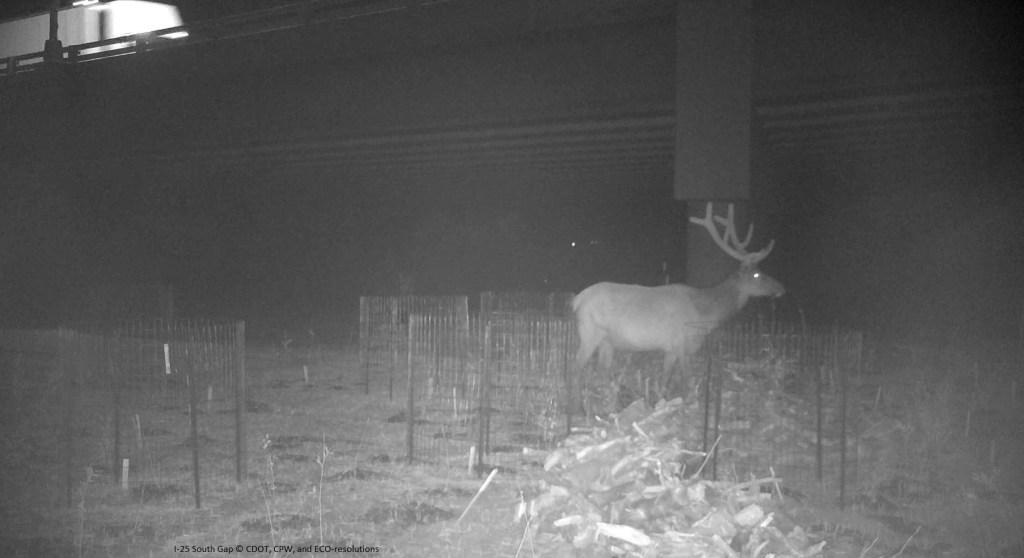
925,239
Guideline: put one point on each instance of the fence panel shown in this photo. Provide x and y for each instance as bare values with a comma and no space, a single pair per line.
527,364
443,370
128,389
497,385
780,397
781,404
383,333
548,304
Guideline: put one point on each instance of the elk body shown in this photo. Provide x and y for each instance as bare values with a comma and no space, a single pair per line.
673,319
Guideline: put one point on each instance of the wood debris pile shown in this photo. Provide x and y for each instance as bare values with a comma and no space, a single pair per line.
620,491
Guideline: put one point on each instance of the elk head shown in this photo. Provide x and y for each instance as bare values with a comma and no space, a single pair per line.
748,280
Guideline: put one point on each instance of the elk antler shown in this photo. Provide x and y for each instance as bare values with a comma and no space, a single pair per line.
728,241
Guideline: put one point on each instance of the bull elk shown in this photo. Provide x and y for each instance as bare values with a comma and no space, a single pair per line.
674,318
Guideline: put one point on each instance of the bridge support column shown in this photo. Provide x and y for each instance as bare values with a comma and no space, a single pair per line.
714,75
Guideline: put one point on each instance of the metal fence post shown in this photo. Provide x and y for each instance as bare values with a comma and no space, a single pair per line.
116,389
707,400
64,337
818,420
193,416
842,418
364,341
719,388
410,404
241,461
484,398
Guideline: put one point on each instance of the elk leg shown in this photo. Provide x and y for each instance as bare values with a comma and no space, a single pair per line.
668,371
606,355
590,338
583,355
574,399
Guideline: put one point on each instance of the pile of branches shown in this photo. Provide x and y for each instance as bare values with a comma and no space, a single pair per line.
620,490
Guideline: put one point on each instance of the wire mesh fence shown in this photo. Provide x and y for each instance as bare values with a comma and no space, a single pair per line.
779,398
527,302
149,401
775,397
498,388
383,332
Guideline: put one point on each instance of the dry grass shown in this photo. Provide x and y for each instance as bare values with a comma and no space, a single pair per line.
326,466
948,469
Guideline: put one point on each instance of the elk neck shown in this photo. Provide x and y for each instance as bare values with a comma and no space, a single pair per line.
720,302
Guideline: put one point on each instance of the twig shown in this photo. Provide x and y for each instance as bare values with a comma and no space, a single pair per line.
270,516
476,497
775,482
526,534
864,552
910,538
321,460
89,474
707,457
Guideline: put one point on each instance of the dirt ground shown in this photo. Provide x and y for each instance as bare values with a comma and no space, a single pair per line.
325,467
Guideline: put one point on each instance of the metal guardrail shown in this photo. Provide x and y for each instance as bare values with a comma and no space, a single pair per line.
241,25
72,54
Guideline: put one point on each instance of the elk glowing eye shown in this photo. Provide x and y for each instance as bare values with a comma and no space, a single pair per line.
757,276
